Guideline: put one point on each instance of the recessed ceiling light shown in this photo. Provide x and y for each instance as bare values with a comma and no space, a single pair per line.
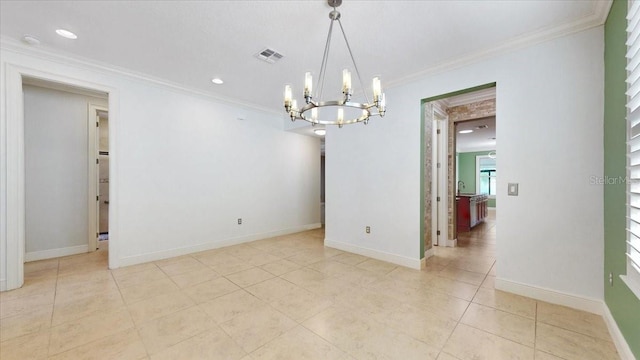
465,131
320,132
31,40
217,81
66,34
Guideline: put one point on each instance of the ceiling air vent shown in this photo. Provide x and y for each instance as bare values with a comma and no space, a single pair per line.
269,55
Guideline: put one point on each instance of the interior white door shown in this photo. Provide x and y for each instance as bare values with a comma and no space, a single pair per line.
103,175
96,135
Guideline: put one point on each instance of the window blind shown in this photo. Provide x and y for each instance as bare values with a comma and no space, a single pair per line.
632,278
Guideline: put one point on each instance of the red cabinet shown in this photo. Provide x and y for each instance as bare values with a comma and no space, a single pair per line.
471,211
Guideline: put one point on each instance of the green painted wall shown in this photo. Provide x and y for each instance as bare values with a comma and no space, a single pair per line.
467,172
623,304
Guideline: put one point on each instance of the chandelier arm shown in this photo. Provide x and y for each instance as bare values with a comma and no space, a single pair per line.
313,104
344,35
367,109
325,56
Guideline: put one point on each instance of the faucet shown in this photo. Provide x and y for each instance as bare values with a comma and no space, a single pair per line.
460,184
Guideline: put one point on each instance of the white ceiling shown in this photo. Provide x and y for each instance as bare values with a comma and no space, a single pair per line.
480,139
186,43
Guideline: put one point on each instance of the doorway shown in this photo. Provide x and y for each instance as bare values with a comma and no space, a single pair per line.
61,168
472,124
440,155
14,197
476,173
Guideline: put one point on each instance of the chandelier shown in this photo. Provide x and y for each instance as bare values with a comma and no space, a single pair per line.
309,112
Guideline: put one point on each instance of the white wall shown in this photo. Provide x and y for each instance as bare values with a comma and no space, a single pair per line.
56,173
183,168
549,111
192,169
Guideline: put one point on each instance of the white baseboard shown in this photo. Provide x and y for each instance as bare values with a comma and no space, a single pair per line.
552,296
594,306
165,254
375,254
429,253
54,253
618,339
3,284
451,243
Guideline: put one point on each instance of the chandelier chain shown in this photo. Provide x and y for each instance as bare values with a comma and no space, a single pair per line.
353,60
325,56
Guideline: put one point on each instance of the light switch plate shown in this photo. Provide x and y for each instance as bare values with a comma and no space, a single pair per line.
513,189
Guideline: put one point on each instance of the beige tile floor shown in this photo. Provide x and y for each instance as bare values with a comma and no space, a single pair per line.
289,298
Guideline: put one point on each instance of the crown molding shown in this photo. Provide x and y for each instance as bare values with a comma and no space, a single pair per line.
600,11
470,98
46,54
597,18
64,87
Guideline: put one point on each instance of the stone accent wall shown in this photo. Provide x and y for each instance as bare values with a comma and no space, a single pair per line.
472,111
451,180
428,174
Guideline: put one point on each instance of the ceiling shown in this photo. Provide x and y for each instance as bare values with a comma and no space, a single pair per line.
187,43
482,138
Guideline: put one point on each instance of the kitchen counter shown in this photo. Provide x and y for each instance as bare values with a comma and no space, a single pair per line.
471,210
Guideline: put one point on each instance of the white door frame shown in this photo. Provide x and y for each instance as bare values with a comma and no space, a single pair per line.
441,177
12,160
444,182
435,239
93,186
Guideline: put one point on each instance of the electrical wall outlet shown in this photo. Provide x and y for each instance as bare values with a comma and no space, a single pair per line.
367,229
239,221
611,279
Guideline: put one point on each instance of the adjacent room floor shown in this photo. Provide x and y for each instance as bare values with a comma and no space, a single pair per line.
289,298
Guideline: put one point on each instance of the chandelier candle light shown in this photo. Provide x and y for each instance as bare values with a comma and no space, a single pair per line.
309,112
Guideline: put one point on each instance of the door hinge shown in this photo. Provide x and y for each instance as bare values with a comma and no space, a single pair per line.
438,233
97,124
97,161
97,198
438,198
97,235
439,165
438,131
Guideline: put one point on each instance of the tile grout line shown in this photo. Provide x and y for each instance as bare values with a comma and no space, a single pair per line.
575,332
55,295
357,284
502,337
51,327
459,321
535,344
135,326
325,339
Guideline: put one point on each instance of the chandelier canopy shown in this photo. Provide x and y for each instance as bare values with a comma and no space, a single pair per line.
309,112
